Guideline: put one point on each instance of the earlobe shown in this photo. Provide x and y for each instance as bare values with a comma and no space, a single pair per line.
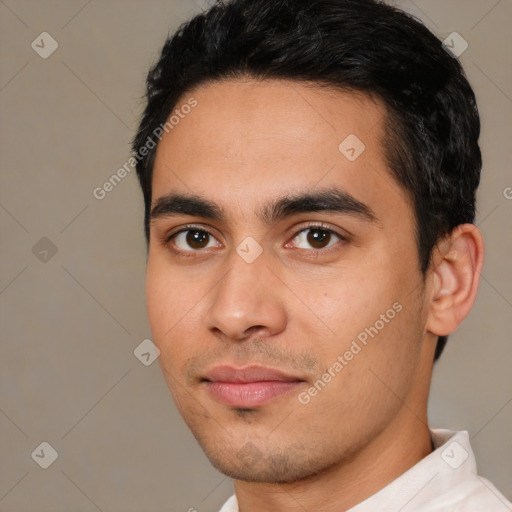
456,268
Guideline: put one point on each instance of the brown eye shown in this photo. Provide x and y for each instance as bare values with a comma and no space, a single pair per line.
193,239
197,239
318,238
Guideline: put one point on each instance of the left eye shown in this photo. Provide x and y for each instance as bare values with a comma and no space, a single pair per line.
318,238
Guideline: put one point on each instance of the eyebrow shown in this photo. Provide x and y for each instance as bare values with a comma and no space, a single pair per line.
327,200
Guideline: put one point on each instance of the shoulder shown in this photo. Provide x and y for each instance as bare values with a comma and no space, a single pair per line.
473,494
230,506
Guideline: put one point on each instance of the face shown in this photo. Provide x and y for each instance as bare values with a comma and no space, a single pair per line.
283,283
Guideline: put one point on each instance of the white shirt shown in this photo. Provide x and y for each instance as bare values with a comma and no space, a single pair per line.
444,481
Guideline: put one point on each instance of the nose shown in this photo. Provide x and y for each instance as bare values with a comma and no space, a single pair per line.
246,302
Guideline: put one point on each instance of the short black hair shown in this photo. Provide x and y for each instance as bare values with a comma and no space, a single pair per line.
368,46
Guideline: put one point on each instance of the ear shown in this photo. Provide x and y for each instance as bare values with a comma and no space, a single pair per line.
455,273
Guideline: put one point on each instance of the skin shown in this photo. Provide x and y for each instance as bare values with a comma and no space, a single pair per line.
297,306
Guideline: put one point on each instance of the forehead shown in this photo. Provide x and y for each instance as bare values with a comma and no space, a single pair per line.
247,139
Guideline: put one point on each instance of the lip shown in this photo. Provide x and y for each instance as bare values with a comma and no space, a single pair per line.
248,387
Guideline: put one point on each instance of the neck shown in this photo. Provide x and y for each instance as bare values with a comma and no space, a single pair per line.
399,447
402,444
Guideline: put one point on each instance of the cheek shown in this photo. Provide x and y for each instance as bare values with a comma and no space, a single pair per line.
349,300
174,307
167,301
380,347
369,311
368,387
159,305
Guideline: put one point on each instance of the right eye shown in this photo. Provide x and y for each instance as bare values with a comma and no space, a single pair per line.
193,240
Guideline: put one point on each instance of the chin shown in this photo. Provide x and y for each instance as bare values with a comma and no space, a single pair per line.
249,464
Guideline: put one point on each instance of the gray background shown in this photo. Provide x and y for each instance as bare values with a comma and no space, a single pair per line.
70,324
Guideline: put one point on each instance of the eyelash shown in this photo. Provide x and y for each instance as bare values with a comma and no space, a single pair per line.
190,227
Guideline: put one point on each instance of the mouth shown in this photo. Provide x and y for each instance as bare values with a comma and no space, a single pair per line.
248,387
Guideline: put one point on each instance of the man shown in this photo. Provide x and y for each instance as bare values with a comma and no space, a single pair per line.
309,171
